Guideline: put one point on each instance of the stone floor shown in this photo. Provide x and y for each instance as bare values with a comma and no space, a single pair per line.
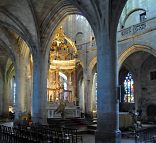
87,138
91,139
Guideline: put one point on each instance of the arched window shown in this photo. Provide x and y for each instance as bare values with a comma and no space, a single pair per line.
129,88
14,89
79,38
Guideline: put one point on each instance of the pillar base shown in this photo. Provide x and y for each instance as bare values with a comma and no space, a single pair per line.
38,119
108,136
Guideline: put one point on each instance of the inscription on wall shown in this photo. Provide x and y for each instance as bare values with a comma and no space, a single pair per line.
133,29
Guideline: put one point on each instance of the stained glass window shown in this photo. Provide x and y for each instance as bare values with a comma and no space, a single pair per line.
13,91
14,94
129,88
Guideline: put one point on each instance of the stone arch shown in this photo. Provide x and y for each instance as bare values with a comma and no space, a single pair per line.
122,58
52,22
8,50
131,12
29,42
25,37
133,49
91,65
10,70
49,26
79,38
14,45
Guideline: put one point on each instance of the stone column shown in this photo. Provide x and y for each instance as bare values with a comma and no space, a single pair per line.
81,95
93,93
68,87
1,95
87,93
20,78
39,97
5,99
90,94
29,94
107,103
137,90
75,87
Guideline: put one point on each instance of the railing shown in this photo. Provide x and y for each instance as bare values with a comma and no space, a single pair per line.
137,29
147,135
39,134
129,32
133,29
87,46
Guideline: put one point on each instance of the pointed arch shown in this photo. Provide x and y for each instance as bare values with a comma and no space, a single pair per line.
133,49
92,65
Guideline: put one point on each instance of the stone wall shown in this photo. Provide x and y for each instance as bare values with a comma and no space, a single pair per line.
148,85
78,29
137,7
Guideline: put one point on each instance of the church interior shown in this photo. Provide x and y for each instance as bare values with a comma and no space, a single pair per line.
69,66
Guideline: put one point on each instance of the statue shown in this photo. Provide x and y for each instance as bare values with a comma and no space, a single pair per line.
134,115
61,108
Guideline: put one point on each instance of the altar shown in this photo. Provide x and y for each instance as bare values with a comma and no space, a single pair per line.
125,120
61,82
69,112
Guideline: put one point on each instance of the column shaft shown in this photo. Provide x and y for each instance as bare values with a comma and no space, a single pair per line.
5,97
39,98
20,106
107,104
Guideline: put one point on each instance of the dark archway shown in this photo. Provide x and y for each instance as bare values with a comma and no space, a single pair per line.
151,113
